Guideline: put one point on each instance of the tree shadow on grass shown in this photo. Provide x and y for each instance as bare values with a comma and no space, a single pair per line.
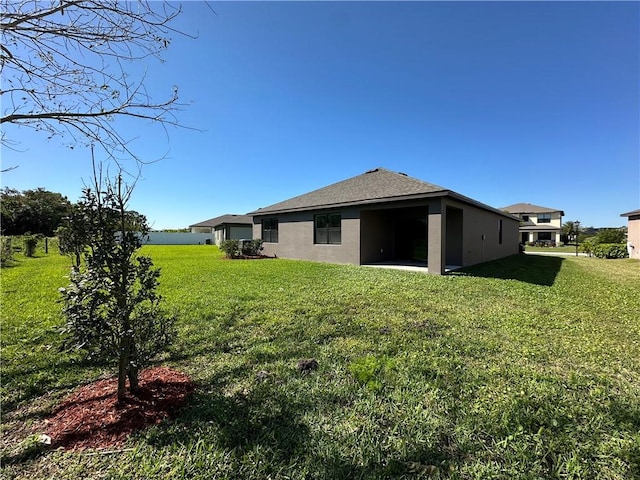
535,269
262,418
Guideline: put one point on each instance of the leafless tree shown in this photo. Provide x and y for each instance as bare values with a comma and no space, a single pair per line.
64,67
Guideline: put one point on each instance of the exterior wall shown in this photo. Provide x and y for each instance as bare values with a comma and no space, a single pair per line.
470,235
480,242
295,238
168,238
633,235
240,232
376,241
219,236
554,226
232,232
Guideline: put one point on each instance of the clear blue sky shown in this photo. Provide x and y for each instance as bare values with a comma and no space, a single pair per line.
503,102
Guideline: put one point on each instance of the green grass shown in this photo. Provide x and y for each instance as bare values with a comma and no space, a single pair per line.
525,368
560,249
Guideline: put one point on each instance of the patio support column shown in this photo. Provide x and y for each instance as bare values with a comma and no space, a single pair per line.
436,239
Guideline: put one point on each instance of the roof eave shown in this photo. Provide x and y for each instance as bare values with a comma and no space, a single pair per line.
373,201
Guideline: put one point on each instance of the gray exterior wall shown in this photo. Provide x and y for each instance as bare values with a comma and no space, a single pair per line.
456,234
480,239
233,232
295,237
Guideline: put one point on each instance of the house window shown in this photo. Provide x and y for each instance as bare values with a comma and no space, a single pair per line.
270,230
544,218
500,232
328,228
525,218
544,236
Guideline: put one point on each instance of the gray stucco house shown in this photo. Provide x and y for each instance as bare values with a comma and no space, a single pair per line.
384,216
225,227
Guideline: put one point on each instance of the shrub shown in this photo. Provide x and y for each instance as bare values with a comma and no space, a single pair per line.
610,250
231,248
587,246
30,245
6,251
611,235
253,247
238,248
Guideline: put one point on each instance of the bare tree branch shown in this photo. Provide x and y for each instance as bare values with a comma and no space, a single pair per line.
66,64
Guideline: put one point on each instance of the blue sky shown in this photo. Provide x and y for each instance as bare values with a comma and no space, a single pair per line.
504,102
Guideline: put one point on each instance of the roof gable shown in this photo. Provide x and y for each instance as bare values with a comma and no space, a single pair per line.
375,185
633,213
225,219
517,208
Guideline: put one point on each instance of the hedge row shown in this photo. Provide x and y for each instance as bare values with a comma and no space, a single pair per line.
610,250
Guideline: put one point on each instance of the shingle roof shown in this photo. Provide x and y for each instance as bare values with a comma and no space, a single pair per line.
518,208
632,213
228,218
375,185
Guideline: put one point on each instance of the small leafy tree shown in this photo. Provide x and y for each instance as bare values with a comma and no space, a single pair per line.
112,309
6,251
73,236
30,245
611,235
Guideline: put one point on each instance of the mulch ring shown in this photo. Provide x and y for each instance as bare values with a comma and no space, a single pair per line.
92,418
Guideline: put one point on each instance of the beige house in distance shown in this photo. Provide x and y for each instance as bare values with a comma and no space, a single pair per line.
385,217
537,224
633,233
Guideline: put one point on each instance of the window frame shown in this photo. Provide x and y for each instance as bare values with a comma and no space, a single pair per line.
544,218
331,233
270,230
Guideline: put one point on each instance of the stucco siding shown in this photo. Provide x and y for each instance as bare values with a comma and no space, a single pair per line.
481,235
296,238
237,232
455,233
633,235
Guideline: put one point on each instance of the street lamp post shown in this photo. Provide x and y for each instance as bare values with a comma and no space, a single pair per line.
576,225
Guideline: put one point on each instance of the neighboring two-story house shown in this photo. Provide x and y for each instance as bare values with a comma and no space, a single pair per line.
537,224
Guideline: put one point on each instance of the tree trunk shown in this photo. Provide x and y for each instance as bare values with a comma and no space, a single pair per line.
134,386
123,361
123,364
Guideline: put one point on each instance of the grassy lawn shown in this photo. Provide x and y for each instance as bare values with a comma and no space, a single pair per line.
525,368
561,249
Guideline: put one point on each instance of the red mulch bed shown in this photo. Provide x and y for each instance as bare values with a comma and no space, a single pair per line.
91,417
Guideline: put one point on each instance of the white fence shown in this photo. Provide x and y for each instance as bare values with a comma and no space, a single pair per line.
179,238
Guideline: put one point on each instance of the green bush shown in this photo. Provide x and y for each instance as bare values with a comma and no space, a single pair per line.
252,248
238,248
587,246
611,235
30,245
6,251
610,250
231,248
